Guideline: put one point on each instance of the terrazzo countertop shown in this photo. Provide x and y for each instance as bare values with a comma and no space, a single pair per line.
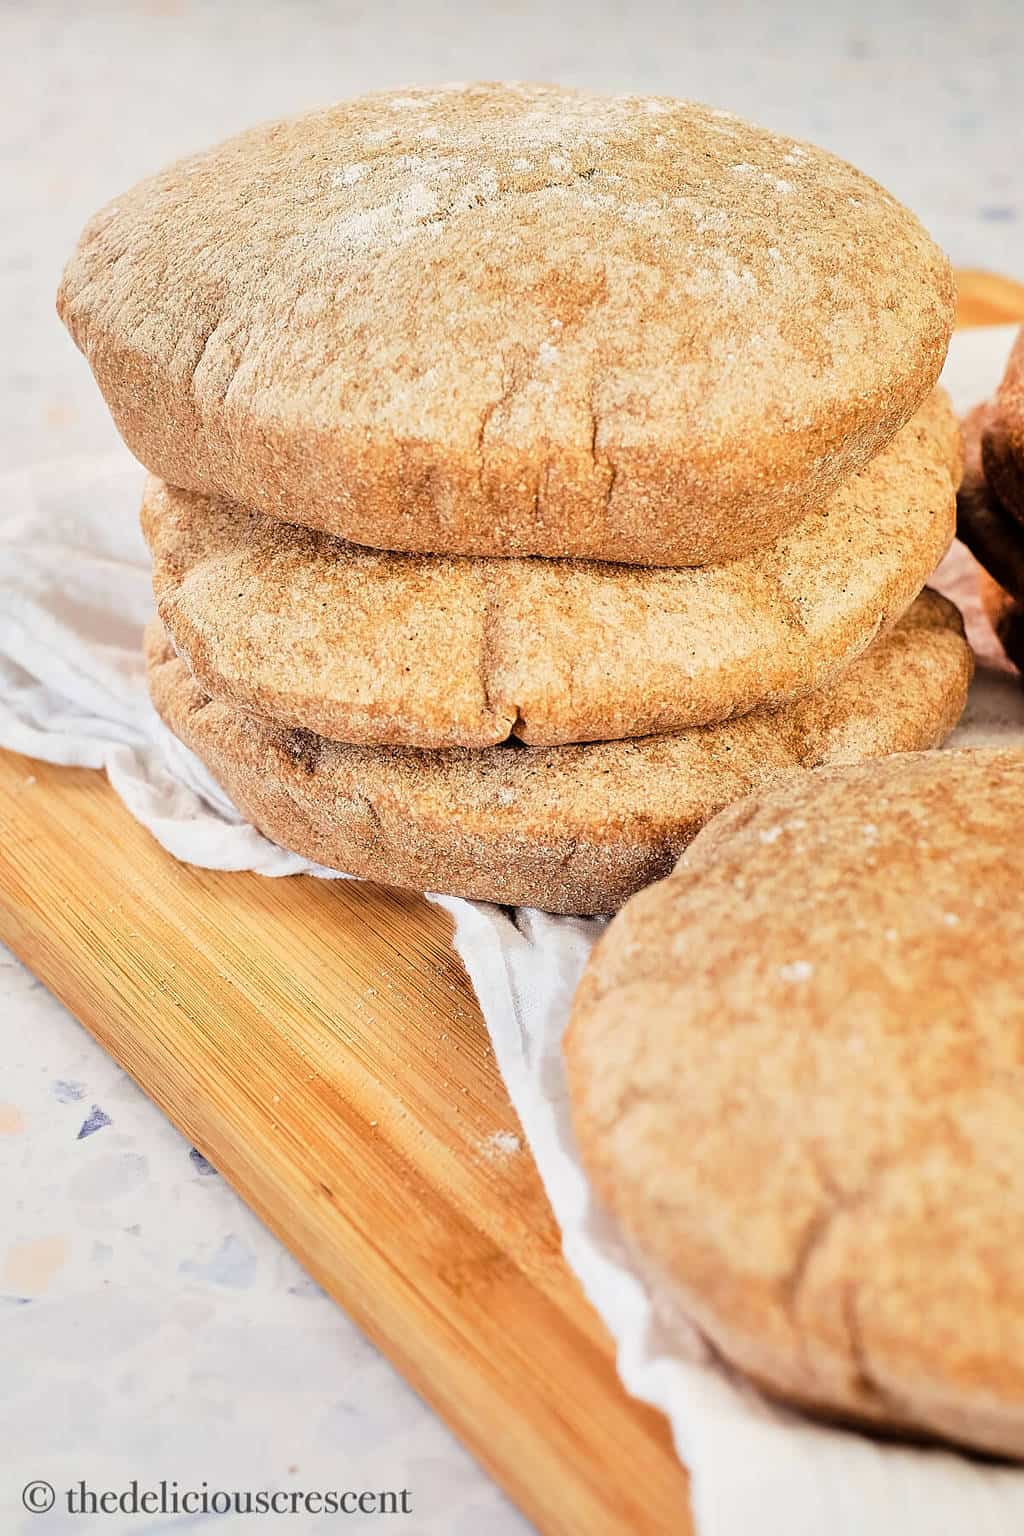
149,1326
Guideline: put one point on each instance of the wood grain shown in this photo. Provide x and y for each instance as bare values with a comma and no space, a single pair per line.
985,298
319,1042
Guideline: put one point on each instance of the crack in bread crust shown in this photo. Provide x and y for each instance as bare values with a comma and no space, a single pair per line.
574,828
614,244
795,1071
379,649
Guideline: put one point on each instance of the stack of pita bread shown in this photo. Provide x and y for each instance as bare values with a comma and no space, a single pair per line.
534,473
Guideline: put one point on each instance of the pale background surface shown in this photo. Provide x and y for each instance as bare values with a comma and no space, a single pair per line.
148,1325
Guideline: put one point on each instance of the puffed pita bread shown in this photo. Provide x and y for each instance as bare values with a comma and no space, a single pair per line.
512,320
434,651
572,828
797,1075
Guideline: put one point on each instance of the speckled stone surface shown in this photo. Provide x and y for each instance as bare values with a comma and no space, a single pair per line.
148,1324
150,1327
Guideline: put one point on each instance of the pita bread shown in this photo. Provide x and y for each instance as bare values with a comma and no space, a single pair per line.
994,537
574,828
797,1074
513,320
434,651
1003,436
1006,615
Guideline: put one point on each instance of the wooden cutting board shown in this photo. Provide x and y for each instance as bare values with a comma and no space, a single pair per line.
320,1044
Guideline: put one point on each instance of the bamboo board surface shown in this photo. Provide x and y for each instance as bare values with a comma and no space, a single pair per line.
320,1044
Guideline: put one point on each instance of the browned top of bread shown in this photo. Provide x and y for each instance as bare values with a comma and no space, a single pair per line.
571,829
437,651
510,320
1003,435
797,1069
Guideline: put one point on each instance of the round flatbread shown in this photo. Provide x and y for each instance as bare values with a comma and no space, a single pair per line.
1006,615
1003,436
797,1076
570,829
435,651
994,537
513,320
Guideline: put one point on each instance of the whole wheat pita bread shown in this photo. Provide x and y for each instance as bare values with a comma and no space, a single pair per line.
571,829
994,537
1006,615
435,651
513,320
1003,435
797,1074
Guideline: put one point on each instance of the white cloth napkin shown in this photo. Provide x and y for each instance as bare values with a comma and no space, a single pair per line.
74,595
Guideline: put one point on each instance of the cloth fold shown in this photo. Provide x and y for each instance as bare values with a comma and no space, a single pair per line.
74,596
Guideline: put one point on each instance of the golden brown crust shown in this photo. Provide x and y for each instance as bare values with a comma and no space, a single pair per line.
513,320
1006,615
994,537
570,829
1003,436
796,1072
435,651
